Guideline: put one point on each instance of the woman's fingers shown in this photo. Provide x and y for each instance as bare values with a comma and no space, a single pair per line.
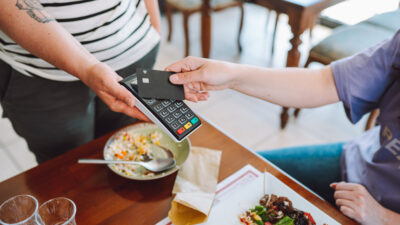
345,186
187,77
187,64
343,195
356,202
346,202
347,211
136,113
203,96
120,93
119,106
195,96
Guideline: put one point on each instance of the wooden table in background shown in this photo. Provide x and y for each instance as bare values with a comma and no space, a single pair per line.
103,197
302,16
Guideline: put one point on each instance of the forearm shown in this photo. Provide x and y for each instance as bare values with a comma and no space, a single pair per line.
38,33
154,13
291,87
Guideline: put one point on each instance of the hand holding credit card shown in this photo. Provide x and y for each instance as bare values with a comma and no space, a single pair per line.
156,84
161,102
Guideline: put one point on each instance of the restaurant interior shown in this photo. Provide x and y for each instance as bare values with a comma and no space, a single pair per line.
263,33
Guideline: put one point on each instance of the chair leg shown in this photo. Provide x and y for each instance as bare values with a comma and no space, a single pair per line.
186,31
296,112
309,60
168,14
240,27
371,122
274,34
284,117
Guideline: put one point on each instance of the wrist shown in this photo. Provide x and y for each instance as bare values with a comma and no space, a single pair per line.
86,68
235,71
388,217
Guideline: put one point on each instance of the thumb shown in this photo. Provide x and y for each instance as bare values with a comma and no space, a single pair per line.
186,77
122,94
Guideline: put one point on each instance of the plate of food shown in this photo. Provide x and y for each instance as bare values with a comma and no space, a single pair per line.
143,142
267,201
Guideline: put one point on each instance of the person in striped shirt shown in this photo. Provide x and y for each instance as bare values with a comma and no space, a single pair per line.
60,63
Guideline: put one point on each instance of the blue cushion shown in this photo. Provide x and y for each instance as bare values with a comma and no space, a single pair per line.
349,40
389,20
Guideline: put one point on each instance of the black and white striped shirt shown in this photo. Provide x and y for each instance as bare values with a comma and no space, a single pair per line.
117,32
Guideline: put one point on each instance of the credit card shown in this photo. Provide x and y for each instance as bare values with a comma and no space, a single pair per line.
156,84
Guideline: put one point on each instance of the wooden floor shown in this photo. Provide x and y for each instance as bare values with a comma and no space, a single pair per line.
254,123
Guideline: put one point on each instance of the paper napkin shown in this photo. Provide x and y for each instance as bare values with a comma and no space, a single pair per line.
195,187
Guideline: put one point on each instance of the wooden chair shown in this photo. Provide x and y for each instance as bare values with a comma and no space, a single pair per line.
349,40
277,15
188,7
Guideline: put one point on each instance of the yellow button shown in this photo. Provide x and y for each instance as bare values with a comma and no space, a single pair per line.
188,125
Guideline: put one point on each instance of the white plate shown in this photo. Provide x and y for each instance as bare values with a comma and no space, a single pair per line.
180,150
228,210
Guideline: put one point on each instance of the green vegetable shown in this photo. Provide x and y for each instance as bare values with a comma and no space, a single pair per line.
259,222
259,209
264,217
286,221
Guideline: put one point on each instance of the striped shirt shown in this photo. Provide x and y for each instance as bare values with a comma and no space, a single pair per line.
116,32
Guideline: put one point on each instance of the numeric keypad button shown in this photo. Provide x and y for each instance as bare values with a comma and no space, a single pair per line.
171,108
175,125
189,115
184,109
164,113
166,103
158,107
177,114
178,104
182,120
169,119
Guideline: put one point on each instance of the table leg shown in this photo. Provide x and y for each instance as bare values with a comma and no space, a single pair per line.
205,28
186,31
168,14
293,56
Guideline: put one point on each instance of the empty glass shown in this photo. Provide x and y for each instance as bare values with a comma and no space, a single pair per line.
19,210
57,211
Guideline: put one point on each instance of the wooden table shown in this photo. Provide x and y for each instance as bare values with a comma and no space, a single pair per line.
302,16
103,197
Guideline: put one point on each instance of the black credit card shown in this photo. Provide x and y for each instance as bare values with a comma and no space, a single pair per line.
155,84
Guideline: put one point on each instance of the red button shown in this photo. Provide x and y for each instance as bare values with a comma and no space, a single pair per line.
181,130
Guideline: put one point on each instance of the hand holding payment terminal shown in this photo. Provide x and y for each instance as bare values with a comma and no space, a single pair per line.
173,116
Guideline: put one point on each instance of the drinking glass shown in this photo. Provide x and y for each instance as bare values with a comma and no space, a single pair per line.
19,210
57,211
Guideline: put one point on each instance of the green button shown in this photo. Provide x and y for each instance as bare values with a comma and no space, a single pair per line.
194,120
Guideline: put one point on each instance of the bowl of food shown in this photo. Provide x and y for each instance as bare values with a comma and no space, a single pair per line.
143,142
